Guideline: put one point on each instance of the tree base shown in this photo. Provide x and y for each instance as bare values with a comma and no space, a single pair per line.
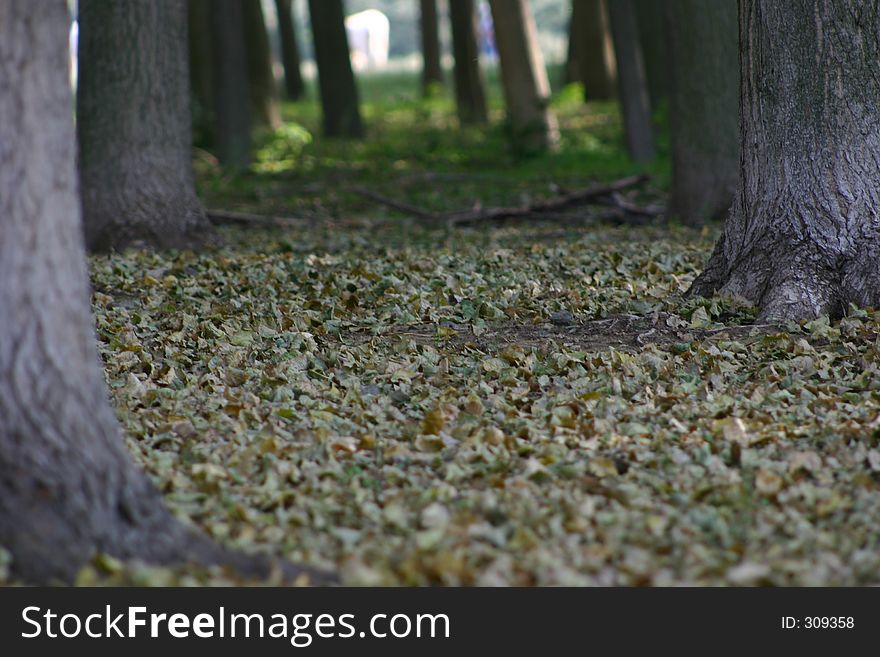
159,226
790,279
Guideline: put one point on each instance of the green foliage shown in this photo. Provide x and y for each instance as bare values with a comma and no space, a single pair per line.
283,148
571,95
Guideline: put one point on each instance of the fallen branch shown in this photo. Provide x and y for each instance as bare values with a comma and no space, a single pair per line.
221,217
619,202
606,194
568,200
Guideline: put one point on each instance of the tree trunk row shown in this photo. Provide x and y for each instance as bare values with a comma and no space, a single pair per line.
591,50
633,94
523,76
470,84
294,87
339,94
432,69
230,75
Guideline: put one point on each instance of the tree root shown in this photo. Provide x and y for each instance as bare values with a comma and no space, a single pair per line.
799,297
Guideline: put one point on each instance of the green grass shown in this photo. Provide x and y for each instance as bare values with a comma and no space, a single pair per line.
416,151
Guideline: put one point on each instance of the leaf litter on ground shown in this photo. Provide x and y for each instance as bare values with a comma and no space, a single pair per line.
410,410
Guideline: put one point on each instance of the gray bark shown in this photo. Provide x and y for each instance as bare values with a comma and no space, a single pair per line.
133,124
232,113
261,80
68,488
523,76
293,82
339,94
704,107
631,81
803,236
591,50
432,71
470,83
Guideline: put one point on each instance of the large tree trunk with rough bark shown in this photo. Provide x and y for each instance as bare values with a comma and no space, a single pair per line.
68,488
591,50
470,84
133,123
432,71
634,102
523,76
339,94
261,81
704,107
294,88
232,114
651,19
803,236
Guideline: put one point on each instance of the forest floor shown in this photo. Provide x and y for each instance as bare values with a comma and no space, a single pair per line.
520,403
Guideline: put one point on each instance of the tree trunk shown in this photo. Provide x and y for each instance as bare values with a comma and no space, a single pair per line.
232,112
470,84
200,72
572,71
432,71
631,80
339,94
803,236
651,19
704,107
68,488
133,123
261,80
523,76
591,50
294,87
